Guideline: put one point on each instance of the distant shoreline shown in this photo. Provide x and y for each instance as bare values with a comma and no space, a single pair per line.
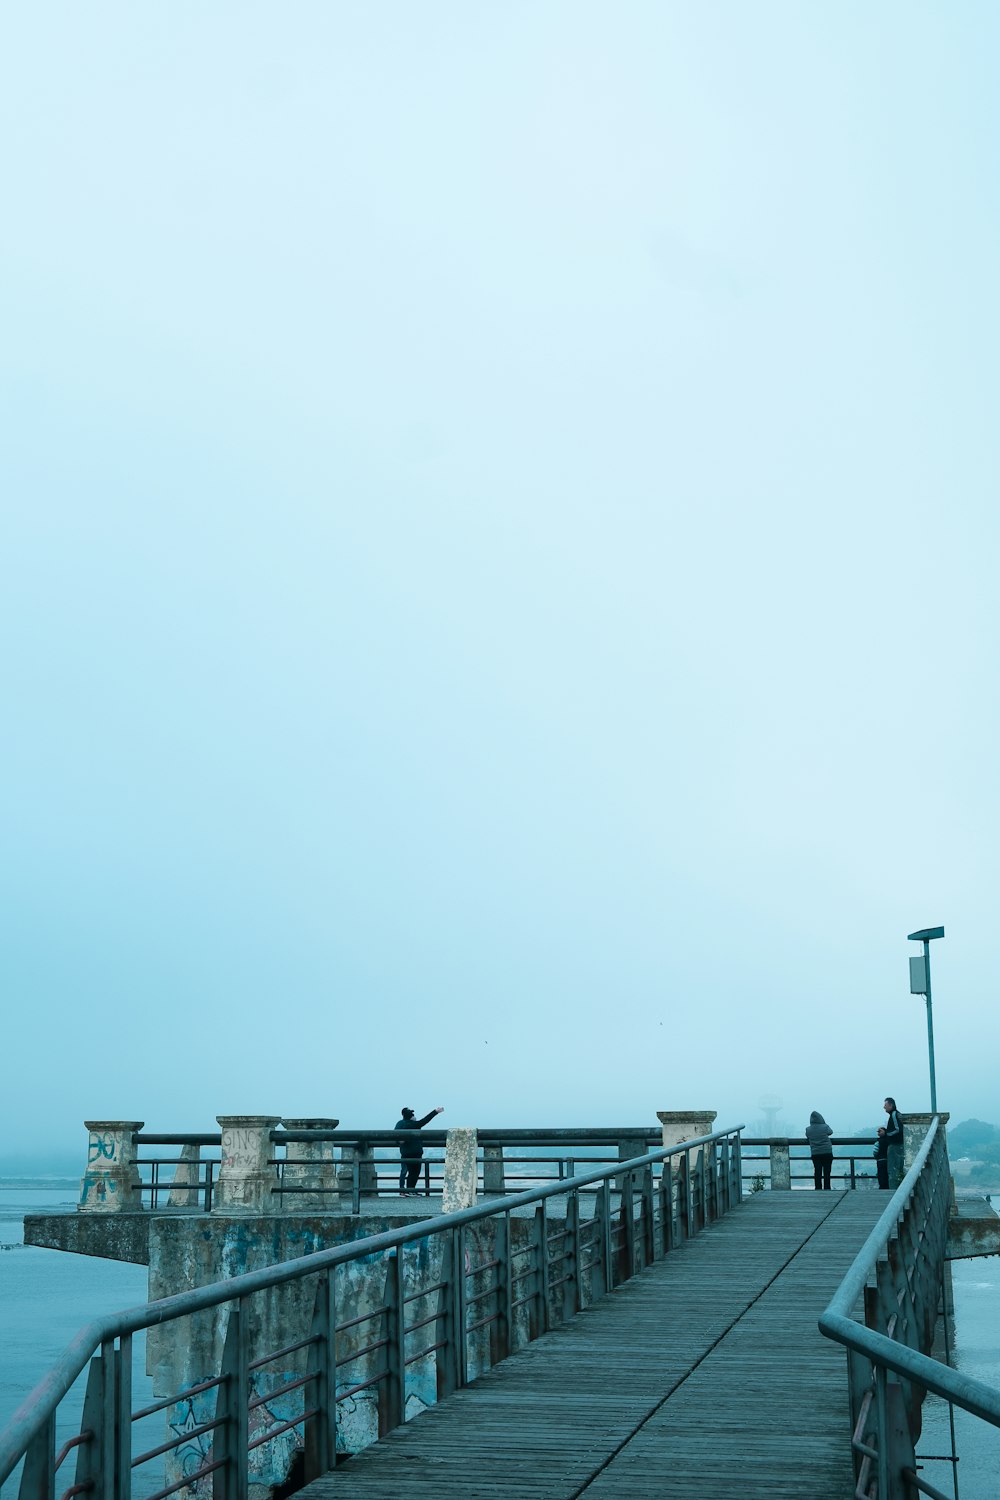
39,1184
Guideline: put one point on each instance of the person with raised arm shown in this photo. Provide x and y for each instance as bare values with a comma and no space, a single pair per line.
410,1150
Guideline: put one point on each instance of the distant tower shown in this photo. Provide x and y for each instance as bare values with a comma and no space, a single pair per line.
770,1106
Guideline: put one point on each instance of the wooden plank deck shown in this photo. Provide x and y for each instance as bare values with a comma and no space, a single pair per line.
705,1376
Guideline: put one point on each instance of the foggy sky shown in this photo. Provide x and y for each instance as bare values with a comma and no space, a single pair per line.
498,560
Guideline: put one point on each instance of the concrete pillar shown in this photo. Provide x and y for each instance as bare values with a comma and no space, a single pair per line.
309,1164
111,1181
186,1185
685,1124
245,1180
781,1166
459,1169
915,1128
493,1175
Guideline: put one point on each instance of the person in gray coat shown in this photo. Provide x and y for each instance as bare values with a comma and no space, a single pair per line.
818,1134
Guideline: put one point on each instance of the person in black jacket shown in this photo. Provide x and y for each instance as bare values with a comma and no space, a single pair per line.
410,1150
881,1155
894,1143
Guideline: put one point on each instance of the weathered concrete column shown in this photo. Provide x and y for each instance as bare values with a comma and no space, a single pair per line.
111,1181
459,1169
781,1167
493,1174
186,1186
245,1179
685,1124
313,1165
915,1128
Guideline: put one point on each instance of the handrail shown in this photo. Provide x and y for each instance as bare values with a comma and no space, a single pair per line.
41,1404
883,1353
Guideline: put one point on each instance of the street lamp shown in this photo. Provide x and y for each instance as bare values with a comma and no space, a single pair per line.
920,984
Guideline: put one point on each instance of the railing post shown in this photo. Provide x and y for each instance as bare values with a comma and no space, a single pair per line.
538,1307
111,1182
684,1194
571,1258
627,1219
38,1476
109,1420
392,1389
357,1173
647,1216
601,1273
896,1444
781,1168
461,1313
321,1430
666,1207
493,1174
501,1332
725,1180
91,1460
232,1407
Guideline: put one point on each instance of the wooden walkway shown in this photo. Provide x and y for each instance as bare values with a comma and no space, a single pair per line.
705,1377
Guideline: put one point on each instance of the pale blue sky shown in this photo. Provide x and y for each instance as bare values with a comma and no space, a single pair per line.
498,559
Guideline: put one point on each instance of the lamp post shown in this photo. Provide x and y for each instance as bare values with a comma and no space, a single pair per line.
920,984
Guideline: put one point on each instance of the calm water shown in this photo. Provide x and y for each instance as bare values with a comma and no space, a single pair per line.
46,1296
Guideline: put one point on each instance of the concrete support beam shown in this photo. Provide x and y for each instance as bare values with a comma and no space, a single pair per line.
459,1169
309,1164
245,1180
111,1181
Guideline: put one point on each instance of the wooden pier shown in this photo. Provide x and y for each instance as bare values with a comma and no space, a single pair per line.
705,1376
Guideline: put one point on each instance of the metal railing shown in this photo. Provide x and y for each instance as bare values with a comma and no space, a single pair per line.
369,1163
896,1279
508,1161
852,1168
418,1310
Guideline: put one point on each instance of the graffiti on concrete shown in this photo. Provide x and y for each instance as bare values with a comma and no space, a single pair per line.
101,1148
240,1150
196,1452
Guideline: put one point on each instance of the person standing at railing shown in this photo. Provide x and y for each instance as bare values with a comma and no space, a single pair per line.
818,1134
881,1155
410,1150
894,1142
